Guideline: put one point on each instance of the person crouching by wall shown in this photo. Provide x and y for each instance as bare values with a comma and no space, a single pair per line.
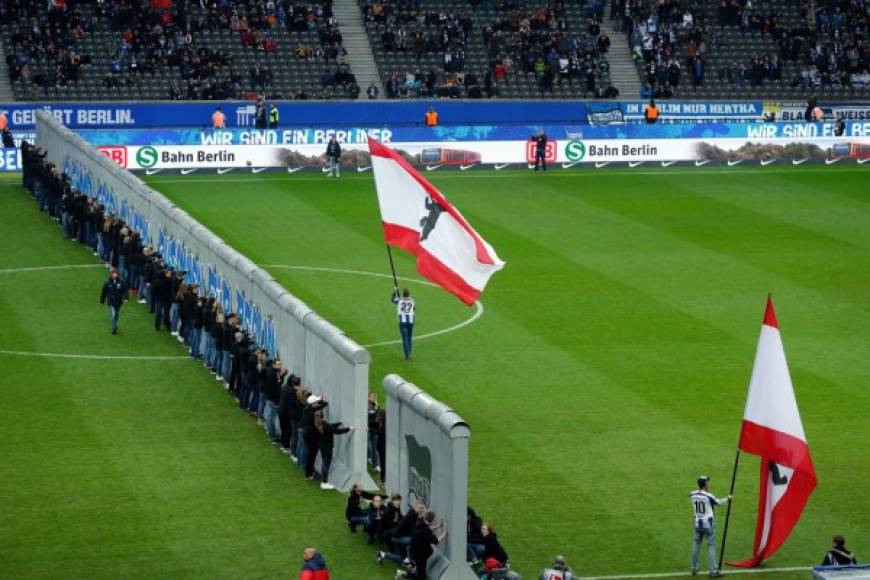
354,512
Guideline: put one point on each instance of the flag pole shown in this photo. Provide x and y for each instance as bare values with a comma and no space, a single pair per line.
393,268
728,511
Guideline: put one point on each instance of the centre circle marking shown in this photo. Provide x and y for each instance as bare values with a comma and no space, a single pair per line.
478,311
478,306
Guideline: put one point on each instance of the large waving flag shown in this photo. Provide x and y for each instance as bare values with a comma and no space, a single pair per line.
772,430
420,220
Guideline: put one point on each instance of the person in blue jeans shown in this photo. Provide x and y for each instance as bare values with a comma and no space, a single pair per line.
354,512
114,293
703,504
406,312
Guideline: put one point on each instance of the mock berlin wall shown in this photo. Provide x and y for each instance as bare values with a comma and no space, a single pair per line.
427,459
328,361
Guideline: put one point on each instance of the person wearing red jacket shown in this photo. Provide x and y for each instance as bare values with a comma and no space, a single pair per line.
313,566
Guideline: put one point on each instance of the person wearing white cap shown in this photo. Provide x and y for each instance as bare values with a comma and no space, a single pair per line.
310,437
558,571
703,504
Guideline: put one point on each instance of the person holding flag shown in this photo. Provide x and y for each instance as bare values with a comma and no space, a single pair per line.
703,506
405,310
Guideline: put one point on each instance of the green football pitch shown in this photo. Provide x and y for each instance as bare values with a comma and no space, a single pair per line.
607,369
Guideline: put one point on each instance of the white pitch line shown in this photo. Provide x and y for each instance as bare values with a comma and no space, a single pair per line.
478,306
70,355
92,356
45,268
700,574
688,172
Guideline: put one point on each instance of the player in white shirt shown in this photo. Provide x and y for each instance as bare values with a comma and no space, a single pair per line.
703,504
405,310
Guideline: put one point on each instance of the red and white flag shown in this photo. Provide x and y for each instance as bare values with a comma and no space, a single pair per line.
772,430
420,220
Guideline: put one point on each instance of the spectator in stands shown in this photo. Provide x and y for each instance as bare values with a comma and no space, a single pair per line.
372,91
313,566
114,294
559,570
4,121
838,555
218,119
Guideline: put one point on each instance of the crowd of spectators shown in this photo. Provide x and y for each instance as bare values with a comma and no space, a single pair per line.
161,35
534,41
50,40
666,40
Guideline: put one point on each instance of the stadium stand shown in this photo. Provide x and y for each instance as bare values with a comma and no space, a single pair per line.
736,49
503,49
165,49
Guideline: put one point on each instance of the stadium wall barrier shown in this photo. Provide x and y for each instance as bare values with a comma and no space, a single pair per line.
328,361
466,147
427,459
88,115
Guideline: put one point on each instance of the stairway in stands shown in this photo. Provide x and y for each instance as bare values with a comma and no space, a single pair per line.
623,71
6,95
356,42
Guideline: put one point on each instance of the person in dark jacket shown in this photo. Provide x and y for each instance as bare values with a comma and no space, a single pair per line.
310,439
274,378
162,299
422,539
474,535
333,157
313,566
296,412
381,431
196,313
326,433
392,518
838,555
372,441
354,513
285,411
376,515
400,537
492,548
114,293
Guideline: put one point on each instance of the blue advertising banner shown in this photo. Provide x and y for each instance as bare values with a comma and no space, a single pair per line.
408,114
22,116
320,136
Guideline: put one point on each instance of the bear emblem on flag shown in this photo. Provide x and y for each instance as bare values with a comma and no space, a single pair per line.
428,222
